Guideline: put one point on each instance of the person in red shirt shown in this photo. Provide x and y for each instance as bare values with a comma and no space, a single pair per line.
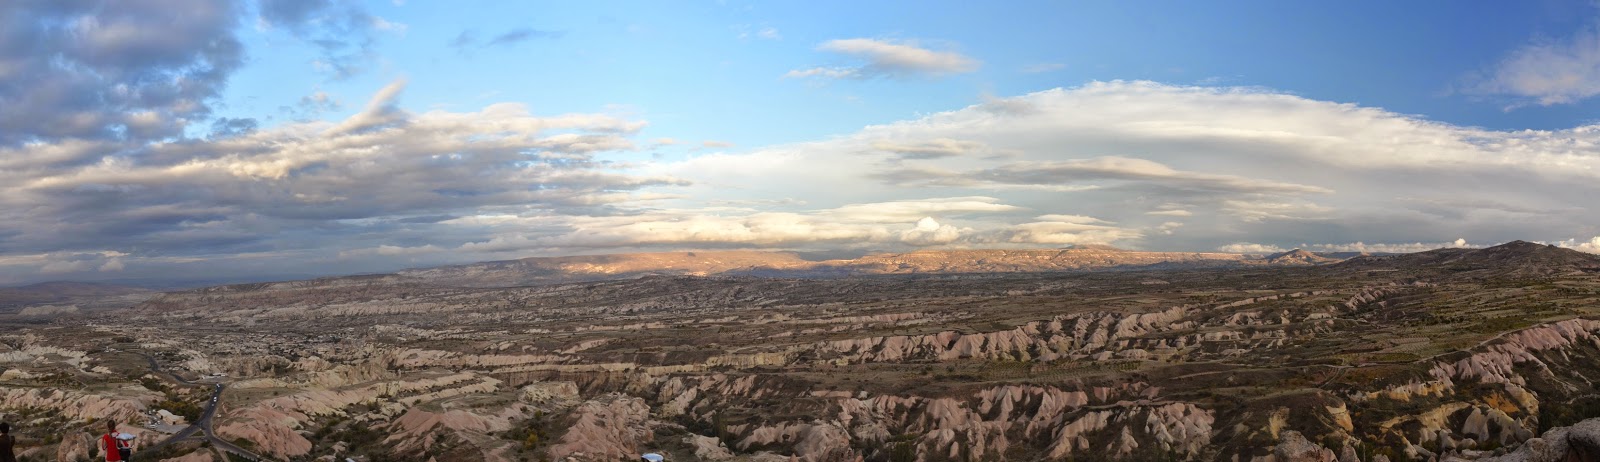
116,449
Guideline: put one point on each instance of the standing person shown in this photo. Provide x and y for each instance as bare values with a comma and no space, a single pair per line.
116,449
8,443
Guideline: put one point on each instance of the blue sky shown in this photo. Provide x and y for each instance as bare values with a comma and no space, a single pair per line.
181,139
704,70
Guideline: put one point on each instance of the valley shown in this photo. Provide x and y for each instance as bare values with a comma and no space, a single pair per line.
1019,356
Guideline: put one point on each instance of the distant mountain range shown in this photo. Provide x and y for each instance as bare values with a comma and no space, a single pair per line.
1514,257
538,270
1511,258
63,293
1517,257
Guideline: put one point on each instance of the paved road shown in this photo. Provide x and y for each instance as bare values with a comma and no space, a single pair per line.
203,425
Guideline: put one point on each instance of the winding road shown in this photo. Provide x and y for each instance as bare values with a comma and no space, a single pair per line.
202,425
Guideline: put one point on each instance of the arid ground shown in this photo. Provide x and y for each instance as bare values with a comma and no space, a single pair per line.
1002,356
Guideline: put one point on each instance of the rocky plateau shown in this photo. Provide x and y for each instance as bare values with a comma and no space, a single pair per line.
1070,354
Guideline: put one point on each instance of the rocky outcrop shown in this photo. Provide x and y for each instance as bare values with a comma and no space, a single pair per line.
75,447
33,352
48,310
1372,297
809,442
1039,340
274,424
989,423
274,431
412,358
1293,447
129,407
541,392
707,448
1494,361
607,428
1579,442
418,431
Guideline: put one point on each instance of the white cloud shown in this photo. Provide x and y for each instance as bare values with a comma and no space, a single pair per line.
908,210
1067,233
1073,219
1250,247
58,263
1590,246
1548,72
1258,210
58,267
1246,247
1171,213
1390,248
1134,164
1237,164
894,223
30,261
769,229
376,176
930,149
870,225
1123,168
392,250
389,26
893,59
380,110
930,232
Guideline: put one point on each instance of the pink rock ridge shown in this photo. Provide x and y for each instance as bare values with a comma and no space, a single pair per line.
984,424
609,427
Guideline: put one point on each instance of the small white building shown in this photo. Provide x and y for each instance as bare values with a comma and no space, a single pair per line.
168,418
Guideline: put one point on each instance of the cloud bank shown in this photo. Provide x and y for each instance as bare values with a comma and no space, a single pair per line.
110,70
1135,164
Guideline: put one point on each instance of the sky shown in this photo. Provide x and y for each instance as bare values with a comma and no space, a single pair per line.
186,141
